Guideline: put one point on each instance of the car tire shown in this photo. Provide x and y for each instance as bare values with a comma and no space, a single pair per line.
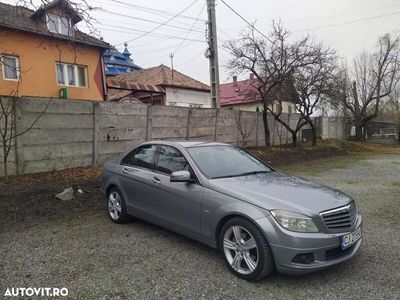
250,258
116,206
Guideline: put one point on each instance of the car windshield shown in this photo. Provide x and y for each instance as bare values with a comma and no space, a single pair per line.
226,161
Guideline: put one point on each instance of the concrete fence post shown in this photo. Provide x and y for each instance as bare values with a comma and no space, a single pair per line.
189,123
96,133
148,123
18,144
256,129
216,124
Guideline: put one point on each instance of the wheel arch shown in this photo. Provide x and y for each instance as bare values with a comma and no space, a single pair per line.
230,216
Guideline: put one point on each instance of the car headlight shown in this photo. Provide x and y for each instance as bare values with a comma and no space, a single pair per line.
293,221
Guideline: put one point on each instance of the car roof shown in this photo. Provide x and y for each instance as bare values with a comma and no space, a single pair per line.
187,144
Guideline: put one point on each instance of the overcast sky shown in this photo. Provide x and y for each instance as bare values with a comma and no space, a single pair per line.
350,26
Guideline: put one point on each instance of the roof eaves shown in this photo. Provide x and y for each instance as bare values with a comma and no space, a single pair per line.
102,45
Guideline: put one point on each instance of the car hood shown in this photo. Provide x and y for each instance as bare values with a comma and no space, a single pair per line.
277,191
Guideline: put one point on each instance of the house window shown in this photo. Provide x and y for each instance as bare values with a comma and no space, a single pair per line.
191,105
10,67
71,75
58,24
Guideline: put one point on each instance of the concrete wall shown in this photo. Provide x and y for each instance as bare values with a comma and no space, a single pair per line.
185,97
81,133
331,127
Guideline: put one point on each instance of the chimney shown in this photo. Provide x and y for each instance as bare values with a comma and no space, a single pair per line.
235,80
251,76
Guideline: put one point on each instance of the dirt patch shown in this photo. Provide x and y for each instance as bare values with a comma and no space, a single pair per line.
32,203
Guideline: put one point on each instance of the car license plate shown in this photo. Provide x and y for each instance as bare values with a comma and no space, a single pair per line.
349,239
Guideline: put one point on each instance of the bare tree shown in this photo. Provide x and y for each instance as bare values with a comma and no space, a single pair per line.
245,126
362,90
313,82
8,118
272,60
391,107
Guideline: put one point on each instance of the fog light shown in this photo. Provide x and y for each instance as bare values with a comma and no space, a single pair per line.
304,258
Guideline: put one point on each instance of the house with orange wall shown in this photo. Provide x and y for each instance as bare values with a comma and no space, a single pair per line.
43,54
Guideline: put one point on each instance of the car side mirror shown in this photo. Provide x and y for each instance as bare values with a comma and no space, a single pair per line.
181,176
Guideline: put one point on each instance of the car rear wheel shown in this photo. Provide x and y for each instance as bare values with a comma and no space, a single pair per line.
117,207
246,250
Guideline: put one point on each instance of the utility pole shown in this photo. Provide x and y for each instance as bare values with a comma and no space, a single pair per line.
171,56
212,54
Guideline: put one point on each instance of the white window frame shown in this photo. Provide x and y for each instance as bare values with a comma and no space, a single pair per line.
66,79
59,24
194,105
16,65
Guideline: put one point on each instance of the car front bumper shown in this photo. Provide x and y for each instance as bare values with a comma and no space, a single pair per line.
322,249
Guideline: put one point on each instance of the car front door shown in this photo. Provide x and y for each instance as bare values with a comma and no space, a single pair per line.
178,204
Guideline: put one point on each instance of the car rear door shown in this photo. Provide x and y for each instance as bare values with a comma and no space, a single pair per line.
136,176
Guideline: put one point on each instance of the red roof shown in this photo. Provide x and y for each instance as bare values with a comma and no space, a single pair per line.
239,92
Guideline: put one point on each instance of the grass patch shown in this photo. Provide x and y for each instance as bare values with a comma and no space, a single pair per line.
389,215
282,156
321,165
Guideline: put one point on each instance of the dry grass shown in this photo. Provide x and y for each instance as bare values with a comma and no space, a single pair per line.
287,155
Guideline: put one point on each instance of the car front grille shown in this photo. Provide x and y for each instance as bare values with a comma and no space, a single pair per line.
341,218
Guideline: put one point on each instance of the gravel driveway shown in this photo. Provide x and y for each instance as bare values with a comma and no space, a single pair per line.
48,243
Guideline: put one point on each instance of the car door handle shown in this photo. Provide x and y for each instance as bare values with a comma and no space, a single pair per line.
125,170
155,180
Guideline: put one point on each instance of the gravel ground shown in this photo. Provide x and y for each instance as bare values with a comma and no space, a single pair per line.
48,243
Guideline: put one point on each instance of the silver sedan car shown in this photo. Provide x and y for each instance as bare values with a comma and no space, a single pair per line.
260,220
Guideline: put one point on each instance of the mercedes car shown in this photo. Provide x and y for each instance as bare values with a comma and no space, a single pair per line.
259,219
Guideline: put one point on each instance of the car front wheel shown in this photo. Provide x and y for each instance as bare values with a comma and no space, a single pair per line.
246,250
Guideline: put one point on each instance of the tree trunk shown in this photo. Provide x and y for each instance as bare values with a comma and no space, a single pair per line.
5,162
359,132
398,132
314,132
266,130
294,138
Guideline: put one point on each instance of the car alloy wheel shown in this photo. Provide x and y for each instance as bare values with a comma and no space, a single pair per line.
114,205
245,249
240,249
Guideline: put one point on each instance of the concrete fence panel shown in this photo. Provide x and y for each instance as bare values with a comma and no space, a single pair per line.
71,133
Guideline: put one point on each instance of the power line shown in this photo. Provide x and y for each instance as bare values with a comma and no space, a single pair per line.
191,28
166,22
192,59
146,20
153,10
165,55
338,15
142,31
348,22
247,22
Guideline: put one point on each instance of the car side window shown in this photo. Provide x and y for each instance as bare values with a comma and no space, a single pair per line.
141,157
171,160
